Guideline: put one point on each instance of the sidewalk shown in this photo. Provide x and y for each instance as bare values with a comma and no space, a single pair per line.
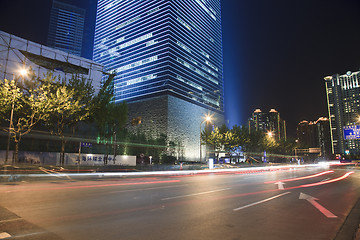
357,236
14,227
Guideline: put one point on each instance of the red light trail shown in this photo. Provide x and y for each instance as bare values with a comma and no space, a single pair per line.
302,178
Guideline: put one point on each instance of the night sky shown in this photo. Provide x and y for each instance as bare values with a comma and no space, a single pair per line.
276,53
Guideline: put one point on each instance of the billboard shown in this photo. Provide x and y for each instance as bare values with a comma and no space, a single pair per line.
352,132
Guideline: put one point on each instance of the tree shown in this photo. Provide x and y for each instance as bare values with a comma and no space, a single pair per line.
109,117
269,142
215,139
27,103
231,142
84,94
9,94
223,139
117,117
241,139
255,143
67,107
237,139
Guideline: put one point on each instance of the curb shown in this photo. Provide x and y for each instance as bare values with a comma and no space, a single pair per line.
350,229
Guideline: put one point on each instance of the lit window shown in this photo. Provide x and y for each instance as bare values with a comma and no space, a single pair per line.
197,86
183,46
206,9
111,4
139,79
132,42
136,64
184,23
186,64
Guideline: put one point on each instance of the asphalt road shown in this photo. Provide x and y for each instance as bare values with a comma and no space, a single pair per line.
310,203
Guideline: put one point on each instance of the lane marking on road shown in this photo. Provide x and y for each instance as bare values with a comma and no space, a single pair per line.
259,202
195,194
10,220
312,200
4,235
29,234
54,173
280,185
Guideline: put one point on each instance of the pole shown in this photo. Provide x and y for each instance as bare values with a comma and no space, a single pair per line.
10,124
207,119
79,157
200,140
114,143
296,157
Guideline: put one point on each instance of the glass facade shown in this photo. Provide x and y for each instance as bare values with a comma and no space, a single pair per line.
16,52
66,28
159,47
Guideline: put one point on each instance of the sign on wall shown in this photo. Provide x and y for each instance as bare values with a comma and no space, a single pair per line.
98,159
352,132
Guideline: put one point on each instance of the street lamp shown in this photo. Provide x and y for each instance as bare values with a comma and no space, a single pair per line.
207,119
23,72
295,150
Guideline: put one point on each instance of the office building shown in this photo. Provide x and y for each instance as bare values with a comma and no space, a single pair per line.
343,100
316,136
167,56
323,136
306,134
268,122
66,28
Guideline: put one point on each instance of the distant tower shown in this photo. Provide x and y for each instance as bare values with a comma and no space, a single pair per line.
268,122
343,98
306,134
315,135
323,136
66,28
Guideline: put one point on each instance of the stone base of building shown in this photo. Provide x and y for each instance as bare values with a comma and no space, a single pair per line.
178,119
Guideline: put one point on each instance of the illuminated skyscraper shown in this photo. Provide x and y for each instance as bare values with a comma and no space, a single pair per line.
343,96
167,55
66,28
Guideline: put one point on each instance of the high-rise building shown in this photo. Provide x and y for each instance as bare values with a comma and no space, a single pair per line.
323,136
315,135
306,134
66,28
167,56
268,122
343,98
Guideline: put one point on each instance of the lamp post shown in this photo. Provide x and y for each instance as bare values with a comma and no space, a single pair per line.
23,72
296,151
207,119
270,136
